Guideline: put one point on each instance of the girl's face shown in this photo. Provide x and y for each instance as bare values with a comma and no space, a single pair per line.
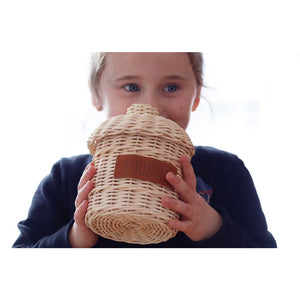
164,80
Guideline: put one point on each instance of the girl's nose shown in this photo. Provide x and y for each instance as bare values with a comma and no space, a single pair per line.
153,100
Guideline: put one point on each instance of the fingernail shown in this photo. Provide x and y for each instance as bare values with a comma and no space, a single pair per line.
89,183
165,200
90,168
186,157
171,175
172,223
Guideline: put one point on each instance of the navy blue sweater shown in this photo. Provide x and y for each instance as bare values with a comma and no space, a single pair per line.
222,179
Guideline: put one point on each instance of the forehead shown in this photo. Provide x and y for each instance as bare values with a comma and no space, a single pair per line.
138,63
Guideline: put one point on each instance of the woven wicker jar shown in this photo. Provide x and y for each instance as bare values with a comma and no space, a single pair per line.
127,208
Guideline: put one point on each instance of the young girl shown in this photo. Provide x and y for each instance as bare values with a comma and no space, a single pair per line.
218,204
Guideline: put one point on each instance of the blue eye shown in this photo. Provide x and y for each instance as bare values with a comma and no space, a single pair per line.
132,88
171,88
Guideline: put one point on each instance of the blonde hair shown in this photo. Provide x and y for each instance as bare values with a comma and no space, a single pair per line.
98,60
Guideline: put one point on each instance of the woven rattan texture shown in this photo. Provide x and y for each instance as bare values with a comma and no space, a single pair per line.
130,210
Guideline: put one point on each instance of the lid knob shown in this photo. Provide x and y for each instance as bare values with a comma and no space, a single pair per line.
142,109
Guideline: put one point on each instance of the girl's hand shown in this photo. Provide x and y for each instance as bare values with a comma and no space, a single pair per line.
80,235
199,221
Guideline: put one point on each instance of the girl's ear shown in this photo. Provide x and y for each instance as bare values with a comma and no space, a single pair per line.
197,100
97,103
195,104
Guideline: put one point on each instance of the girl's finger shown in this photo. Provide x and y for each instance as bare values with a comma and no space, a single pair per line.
188,172
86,168
87,175
83,193
185,192
181,226
79,215
180,207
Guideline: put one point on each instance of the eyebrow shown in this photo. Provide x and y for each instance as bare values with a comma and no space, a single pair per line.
133,77
128,77
175,77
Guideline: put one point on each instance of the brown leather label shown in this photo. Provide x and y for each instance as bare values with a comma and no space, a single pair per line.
143,168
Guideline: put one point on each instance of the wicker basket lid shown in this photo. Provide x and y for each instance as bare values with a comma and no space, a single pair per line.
142,119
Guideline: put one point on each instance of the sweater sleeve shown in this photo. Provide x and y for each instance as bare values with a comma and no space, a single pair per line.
244,223
51,212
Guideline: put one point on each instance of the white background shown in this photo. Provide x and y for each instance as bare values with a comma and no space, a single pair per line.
252,77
